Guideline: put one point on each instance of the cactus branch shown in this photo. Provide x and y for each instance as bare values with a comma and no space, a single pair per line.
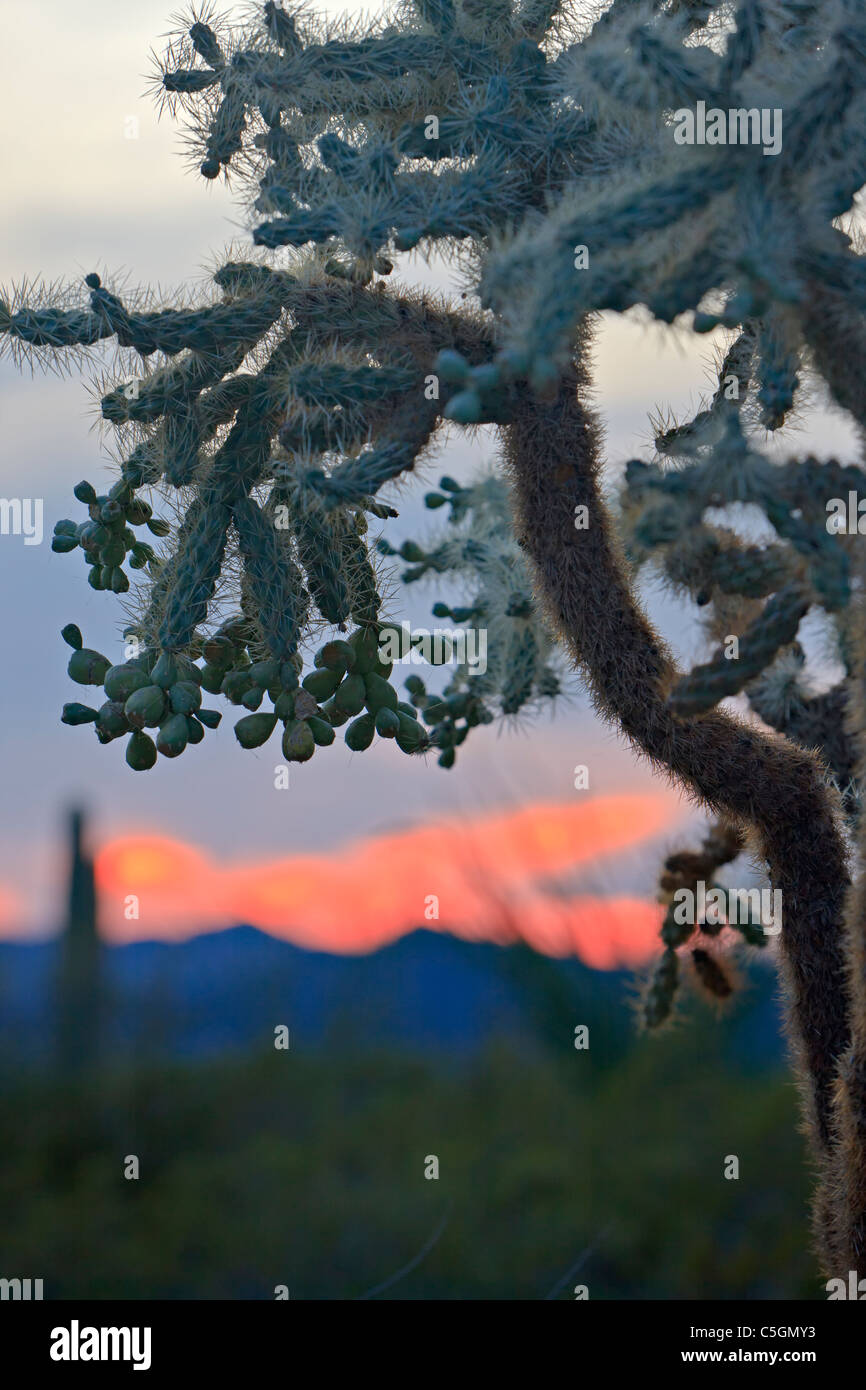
739,773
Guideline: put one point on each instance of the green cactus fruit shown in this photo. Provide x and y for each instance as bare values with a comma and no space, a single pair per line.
378,693
71,634
118,580
298,742
121,681
387,722
194,730
350,697
173,736
336,656
322,684
78,714
165,671
235,629
334,716
447,758
145,707
465,408
290,673
94,578
92,536
487,377
85,492
255,729
322,731
452,366
252,698
411,551
157,526
365,644
411,735
219,652
112,719
140,752
360,732
113,553
235,685
184,697
63,545
209,717
138,512
284,705
264,673
87,667
187,669
211,678
408,710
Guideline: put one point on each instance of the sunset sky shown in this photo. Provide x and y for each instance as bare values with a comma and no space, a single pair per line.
531,873
349,853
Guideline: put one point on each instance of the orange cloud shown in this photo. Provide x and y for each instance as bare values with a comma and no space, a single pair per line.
482,879
11,911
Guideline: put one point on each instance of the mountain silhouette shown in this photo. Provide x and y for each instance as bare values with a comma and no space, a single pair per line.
427,992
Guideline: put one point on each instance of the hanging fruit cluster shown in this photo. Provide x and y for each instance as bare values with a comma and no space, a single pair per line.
450,717
477,549
106,537
161,692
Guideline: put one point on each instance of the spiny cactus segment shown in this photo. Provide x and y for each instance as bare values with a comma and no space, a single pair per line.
478,550
282,477
752,595
533,132
686,870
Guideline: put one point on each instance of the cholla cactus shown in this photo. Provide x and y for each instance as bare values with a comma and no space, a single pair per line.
686,870
283,461
520,668
694,156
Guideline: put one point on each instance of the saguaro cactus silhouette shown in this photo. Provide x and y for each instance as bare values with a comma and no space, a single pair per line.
699,158
79,991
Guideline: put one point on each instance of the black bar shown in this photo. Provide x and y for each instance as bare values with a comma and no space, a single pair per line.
227,1338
